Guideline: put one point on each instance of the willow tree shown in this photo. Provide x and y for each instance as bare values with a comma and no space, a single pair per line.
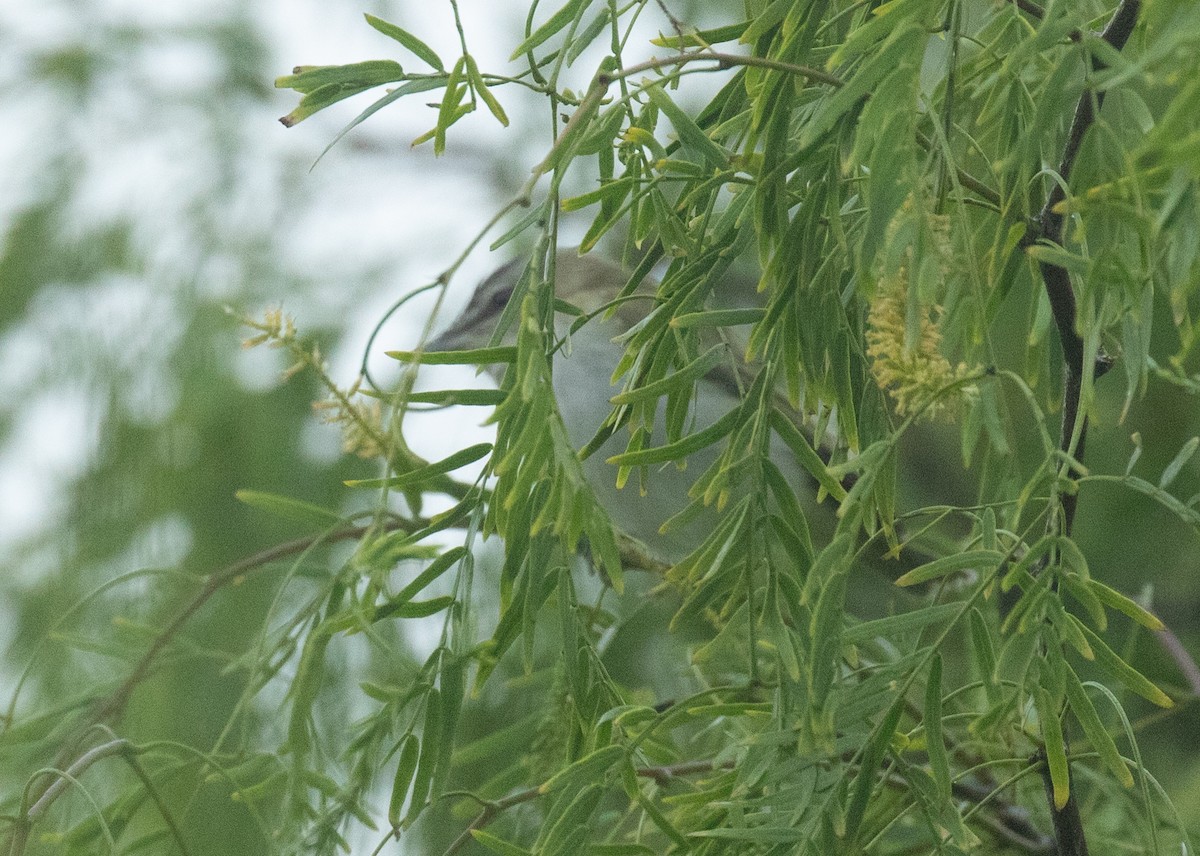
968,223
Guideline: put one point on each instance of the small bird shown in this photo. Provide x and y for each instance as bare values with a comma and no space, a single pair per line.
583,388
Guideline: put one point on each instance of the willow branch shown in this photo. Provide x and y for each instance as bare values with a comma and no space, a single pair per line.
1068,825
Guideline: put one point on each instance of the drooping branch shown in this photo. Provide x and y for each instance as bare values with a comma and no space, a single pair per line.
1068,824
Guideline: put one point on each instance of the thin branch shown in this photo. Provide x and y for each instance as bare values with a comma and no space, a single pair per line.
19,833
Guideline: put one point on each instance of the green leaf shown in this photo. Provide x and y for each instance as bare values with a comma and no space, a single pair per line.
702,38
806,455
448,110
411,42
590,768
895,626
1089,719
457,397
614,191
980,560
1113,599
868,768
690,373
288,508
556,22
307,79
407,766
761,834
1122,671
690,134
718,318
421,474
476,357
1173,468
498,845
984,654
431,732
1056,748
326,85
939,760
413,86
481,89
680,449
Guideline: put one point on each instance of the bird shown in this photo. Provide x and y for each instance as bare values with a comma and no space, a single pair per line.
584,387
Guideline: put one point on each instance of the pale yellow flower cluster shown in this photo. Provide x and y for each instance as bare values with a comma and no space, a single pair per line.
912,368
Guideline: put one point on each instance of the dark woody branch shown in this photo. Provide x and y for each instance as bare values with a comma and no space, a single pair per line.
1048,227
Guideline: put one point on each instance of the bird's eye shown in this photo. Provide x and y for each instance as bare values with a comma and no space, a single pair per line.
500,298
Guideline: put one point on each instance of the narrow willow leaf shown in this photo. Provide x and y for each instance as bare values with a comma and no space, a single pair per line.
702,38
868,768
476,357
481,89
689,132
437,568
407,766
410,88
498,845
286,507
1089,719
984,653
634,791
1056,748
895,626
566,825
421,474
679,450
1115,600
584,37
448,110
590,768
457,397
935,746
980,560
553,24
987,529
760,834
1057,256
806,455
430,734
416,46
718,318
609,190
307,79
343,82
1122,671
690,373
415,608
1181,459
1184,512
1082,592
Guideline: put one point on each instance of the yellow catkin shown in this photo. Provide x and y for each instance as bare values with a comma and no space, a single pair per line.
916,374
